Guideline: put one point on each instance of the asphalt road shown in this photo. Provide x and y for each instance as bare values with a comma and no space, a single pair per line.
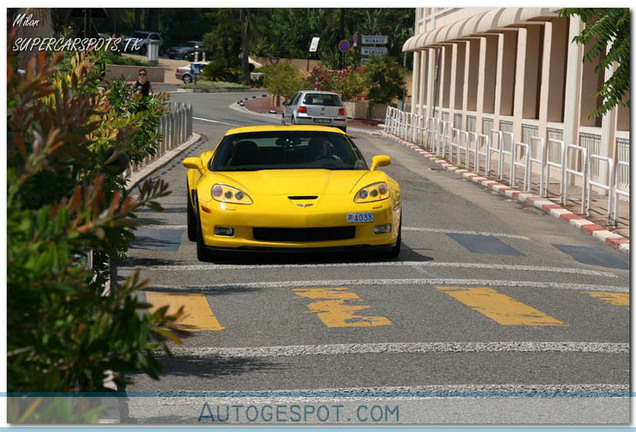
493,313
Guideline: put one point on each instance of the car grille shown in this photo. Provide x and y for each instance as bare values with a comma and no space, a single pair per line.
304,234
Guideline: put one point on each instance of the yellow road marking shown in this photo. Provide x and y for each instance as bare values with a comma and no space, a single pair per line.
198,314
618,299
331,308
499,307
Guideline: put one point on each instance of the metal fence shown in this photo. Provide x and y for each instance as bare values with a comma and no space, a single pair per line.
175,128
529,155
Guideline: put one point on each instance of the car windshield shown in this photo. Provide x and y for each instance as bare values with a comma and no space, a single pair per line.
322,99
255,151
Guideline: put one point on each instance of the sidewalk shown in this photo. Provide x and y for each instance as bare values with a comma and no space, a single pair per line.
594,225
263,105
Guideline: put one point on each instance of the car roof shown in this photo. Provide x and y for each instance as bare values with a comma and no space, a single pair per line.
274,128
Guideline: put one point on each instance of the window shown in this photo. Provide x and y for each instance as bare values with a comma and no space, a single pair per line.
287,150
322,99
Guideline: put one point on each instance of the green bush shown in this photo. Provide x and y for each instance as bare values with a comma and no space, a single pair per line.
385,78
63,200
282,79
220,70
118,59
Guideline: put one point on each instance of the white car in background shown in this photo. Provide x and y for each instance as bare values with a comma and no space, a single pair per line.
318,108
184,73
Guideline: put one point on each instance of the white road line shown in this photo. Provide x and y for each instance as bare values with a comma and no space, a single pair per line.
404,348
447,231
388,282
189,397
214,121
478,266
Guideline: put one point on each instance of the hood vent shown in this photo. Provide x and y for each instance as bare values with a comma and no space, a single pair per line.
302,197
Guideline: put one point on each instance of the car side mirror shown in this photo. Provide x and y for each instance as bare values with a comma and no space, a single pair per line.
285,103
193,163
380,161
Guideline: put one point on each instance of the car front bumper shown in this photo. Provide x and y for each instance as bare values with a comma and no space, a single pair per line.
281,214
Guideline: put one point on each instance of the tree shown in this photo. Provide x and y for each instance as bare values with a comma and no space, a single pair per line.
606,27
64,199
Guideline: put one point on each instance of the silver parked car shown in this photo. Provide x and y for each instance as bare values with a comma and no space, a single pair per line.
309,107
184,72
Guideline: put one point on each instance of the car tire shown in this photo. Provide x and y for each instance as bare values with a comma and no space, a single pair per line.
187,79
202,253
192,218
395,251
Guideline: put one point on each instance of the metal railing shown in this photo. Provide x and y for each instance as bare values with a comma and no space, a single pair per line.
445,140
175,128
617,190
606,187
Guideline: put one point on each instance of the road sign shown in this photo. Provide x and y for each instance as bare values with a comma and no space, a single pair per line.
195,68
375,39
274,60
355,38
366,50
314,44
343,46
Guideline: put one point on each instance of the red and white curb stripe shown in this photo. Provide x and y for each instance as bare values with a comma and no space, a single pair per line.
617,241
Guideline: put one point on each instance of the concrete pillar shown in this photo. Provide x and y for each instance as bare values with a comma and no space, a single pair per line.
481,78
464,124
441,80
609,148
453,78
545,81
572,108
498,81
430,82
520,69
415,86
422,87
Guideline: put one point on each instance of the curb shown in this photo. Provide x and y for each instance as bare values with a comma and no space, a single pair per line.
616,241
163,160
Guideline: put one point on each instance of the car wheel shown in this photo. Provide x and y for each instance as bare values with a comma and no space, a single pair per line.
393,253
293,121
192,218
187,79
202,253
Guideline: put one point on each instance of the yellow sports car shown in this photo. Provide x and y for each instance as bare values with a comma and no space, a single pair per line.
290,188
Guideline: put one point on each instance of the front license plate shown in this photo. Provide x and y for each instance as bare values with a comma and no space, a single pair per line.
359,217
322,120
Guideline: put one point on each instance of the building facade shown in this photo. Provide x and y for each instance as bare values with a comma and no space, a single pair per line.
514,70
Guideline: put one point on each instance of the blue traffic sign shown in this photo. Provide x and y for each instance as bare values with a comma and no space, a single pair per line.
344,46
355,38
195,68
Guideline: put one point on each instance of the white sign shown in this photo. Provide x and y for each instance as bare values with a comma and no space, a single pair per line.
375,39
366,50
314,44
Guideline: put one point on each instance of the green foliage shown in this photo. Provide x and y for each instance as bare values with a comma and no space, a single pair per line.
65,329
282,79
220,70
385,78
607,27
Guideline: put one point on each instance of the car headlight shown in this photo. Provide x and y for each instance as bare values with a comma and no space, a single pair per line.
228,194
373,192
